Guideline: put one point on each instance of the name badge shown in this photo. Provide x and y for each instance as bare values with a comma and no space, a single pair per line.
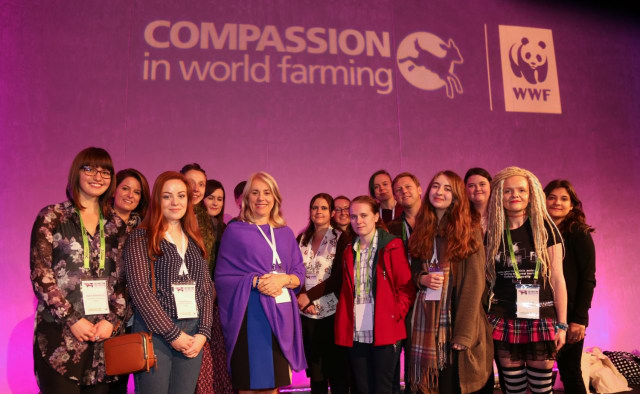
527,301
310,281
364,317
284,296
185,297
94,297
433,295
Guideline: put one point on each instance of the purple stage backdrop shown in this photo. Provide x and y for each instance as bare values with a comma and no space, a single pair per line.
320,94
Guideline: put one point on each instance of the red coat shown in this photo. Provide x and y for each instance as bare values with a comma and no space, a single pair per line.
394,293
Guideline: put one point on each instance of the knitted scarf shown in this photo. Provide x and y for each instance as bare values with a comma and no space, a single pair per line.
431,333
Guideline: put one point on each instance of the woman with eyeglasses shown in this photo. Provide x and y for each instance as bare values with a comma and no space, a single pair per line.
76,277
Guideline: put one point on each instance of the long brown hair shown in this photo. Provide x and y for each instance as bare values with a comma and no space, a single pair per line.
155,223
141,209
455,226
93,157
575,219
311,227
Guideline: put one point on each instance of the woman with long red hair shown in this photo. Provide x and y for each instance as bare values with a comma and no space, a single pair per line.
178,313
451,348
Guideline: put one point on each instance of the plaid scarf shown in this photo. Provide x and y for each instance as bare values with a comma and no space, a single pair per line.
431,335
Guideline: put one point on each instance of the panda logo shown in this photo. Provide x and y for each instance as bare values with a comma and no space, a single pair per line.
529,60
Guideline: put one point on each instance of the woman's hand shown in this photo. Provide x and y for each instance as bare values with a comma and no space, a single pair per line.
433,280
303,301
457,346
196,346
104,329
272,284
561,336
311,310
84,330
576,333
183,342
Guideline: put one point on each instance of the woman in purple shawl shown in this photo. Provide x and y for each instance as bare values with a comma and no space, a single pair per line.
258,269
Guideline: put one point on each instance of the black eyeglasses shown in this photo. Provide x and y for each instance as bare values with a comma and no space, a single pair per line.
340,210
91,171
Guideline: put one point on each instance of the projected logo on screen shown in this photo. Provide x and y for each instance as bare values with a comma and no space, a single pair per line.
529,72
427,62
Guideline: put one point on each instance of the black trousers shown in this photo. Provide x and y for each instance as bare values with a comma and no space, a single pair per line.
51,382
326,361
373,367
569,358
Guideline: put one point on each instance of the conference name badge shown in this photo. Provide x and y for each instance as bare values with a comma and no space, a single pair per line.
94,297
310,281
185,297
434,295
284,296
364,317
527,301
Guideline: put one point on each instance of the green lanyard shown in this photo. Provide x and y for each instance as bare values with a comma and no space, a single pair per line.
85,242
405,231
367,283
514,263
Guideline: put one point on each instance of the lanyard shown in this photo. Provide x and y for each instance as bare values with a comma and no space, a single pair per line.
514,262
434,258
272,243
367,283
85,242
406,231
183,267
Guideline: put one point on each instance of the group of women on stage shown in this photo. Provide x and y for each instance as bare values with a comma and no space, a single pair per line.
471,270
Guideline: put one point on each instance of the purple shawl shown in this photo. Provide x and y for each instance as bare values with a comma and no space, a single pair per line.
244,253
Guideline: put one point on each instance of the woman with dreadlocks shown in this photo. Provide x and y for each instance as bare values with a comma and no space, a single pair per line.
524,264
451,348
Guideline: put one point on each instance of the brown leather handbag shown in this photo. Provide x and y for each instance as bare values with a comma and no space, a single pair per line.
130,353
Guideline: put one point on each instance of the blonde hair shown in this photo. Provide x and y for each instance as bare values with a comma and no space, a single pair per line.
538,215
275,216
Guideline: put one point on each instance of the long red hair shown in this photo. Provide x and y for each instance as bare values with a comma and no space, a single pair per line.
155,223
456,226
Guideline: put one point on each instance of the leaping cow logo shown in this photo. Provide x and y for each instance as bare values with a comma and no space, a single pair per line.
427,62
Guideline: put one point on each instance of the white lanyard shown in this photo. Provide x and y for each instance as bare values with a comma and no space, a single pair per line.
434,258
272,243
183,267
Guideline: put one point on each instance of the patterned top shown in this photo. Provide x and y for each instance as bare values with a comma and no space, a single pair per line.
318,266
57,268
364,295
159,310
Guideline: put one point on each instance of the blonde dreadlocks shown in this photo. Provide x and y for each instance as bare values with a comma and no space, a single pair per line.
538,215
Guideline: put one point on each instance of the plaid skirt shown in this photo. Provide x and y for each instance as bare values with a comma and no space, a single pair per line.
524,339
522,330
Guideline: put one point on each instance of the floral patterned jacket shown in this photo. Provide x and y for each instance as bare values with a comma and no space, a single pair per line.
56,272
320,267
